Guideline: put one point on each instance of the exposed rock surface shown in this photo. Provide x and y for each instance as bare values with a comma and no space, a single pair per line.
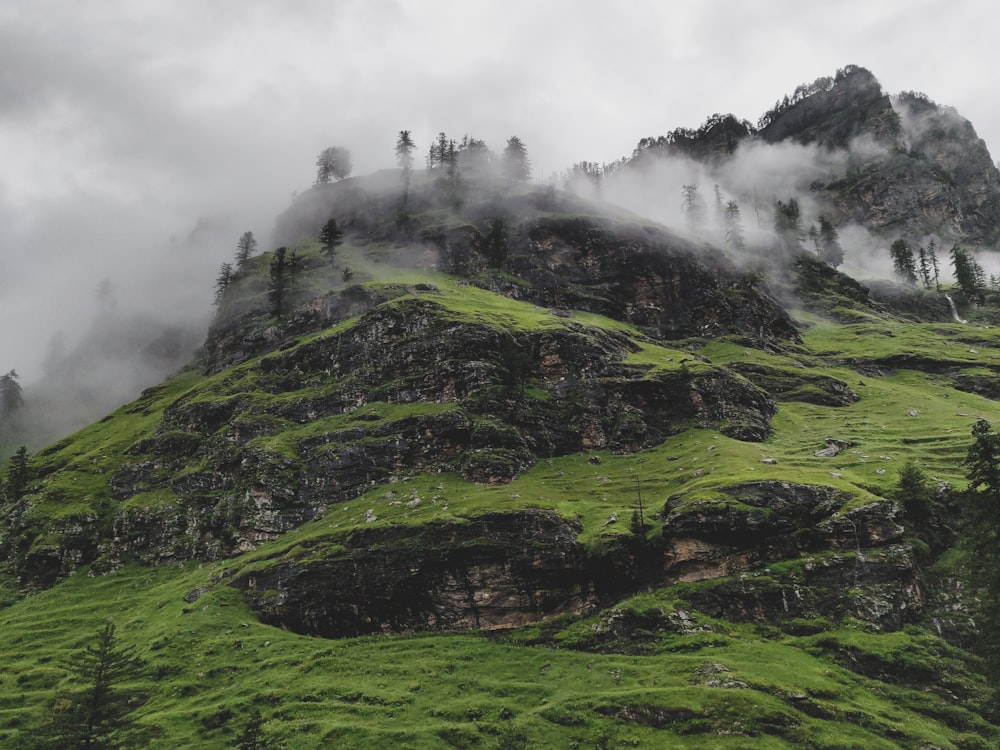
500,570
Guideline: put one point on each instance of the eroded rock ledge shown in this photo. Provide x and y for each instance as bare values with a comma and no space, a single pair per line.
509,569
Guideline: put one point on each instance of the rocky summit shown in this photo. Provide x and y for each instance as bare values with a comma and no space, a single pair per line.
494,465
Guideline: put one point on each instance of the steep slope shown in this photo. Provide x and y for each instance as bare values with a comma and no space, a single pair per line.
910,167
606,451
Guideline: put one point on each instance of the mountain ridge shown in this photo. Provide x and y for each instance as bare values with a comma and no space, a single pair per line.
605,451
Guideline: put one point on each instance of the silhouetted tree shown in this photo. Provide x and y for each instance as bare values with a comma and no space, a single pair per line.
786,225
692,207
404,157
98,713
733,226
331,238
245,247
334,163
10,394
902,261
495,243
474,157
18,474
981,508
924,266
967,277
515,165
830,251
279,283
222,281
932,254
404,153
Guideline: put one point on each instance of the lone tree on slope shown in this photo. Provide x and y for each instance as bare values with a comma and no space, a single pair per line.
222,281
331,237
830,251
333,163
244,249
10,394
98,712
515,164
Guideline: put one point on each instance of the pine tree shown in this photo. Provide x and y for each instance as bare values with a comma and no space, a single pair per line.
968,274
98,713
245,247
279,282
902,261
830,251
692,207
932,254
734,228
404,154
10,394
18,475
495,243
924,266
222,281
982,532
786,225
404,157
515,165
331,237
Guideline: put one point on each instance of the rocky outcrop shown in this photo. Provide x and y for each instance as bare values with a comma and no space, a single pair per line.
408,387
664,285
765,552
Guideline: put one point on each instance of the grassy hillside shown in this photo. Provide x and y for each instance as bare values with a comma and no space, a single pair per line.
675,664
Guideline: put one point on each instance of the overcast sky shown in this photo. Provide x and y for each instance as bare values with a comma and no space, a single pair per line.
122,122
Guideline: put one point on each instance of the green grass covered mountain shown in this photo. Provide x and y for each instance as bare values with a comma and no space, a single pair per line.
519,470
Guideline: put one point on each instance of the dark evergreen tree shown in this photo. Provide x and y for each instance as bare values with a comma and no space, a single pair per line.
441,149
18,475
98,715
515,165
10,394
452,179
786,225
333,163
733,224
982,533
902,261
692,207
830,251
924,267
966,275
404,154
913,493
245,247
932,254
495,243
279,282
222,281
331,238
474,157
404,157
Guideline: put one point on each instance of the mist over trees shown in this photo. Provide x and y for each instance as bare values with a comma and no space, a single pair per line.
333,163
245,247
330,238
515,163
10,394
